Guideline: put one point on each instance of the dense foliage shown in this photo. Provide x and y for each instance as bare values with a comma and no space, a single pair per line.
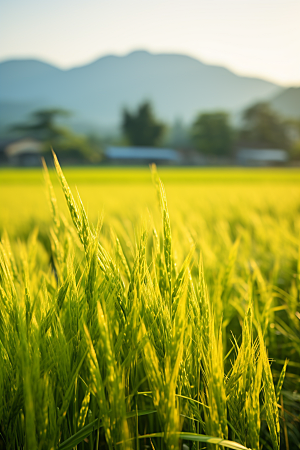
213,134
142,128
264,128
43,126
135,336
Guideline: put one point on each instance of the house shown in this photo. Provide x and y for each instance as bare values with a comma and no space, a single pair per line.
142,155
24,152
3,157
262,157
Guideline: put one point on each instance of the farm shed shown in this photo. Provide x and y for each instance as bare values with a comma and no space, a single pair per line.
23,152
261,157
142,155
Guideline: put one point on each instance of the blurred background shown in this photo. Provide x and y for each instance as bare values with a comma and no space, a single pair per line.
194,83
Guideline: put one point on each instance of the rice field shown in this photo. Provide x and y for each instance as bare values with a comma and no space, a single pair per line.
150,310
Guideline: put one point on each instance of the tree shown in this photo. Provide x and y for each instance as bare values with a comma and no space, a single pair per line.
43,126
142,128
212,134
178,135
263,128
293,128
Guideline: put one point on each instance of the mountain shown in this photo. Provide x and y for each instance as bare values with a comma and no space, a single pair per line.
177,85
287,102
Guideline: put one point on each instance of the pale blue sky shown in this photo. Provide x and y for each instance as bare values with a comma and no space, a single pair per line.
252,37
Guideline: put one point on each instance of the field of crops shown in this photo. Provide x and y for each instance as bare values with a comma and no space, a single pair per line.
150,315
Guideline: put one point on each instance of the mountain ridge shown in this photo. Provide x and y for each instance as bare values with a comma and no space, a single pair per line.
287,102
110,55
177,85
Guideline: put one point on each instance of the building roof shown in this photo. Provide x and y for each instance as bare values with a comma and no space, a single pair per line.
270,154
142,153
21,146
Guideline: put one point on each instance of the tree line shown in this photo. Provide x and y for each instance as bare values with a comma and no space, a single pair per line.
211,133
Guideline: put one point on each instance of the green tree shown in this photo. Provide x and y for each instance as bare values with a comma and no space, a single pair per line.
43,126
142,128
178,135
212,134
264,128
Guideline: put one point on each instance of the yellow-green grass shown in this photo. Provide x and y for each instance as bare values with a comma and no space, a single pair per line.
125,192
133,175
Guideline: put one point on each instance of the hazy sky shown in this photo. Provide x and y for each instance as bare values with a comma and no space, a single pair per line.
252,37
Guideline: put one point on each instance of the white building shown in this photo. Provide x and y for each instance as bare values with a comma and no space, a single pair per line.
262,157
24,152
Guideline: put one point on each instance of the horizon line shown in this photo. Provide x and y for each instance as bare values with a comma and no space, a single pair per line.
141,50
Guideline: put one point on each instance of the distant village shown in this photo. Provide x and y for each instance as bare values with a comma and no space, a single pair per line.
27,152
263,139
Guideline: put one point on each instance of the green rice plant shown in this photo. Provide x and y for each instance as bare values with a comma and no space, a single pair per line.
270,402
152,332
